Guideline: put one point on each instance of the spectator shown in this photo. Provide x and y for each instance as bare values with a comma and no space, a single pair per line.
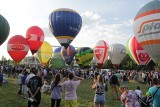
70,89
1,78
114,83
24,85
154,91
34,85
19,81
124,79
99,98
56,91
138,91
129,97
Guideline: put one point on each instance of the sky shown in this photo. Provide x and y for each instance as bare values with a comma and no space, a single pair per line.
109,20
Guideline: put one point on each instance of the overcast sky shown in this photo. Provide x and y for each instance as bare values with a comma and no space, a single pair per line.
109,20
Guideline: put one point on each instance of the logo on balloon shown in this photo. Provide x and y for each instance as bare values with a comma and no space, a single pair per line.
143,56
69,41
98,53
17,47
151,25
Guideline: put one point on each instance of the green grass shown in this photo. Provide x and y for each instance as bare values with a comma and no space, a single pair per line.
9,97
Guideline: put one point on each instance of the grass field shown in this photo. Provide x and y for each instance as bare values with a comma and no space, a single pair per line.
9,97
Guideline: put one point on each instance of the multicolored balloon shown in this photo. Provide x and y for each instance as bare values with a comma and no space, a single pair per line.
147,29
65,24
116,53
136,52
44,53
17,48
4,29
84,56
100,52
35,38
68,54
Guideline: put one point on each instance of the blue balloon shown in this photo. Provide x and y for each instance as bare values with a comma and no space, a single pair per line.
65,24
57,50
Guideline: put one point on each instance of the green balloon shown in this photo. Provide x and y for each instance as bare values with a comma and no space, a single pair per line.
4,29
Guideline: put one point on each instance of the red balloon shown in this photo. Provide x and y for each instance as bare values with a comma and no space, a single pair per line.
17,48
35,38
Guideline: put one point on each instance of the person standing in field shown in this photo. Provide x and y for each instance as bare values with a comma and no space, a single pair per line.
99,98
70,85
1,78
34,86
56,91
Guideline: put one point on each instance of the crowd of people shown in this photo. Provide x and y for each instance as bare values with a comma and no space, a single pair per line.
33,80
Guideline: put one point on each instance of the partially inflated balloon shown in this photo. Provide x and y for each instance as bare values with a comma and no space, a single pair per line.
84,56
100,52
68,54
4,29
147,29
35,38
136,52
65,24
44,53
17,48
116,53
57,61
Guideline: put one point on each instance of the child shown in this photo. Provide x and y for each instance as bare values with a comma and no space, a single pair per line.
45,87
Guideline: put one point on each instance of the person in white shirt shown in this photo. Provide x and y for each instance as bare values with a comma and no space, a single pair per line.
70,89
138,91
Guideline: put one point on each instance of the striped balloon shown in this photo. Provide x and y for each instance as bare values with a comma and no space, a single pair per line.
44,53
136,52
65,24
101,52
147,29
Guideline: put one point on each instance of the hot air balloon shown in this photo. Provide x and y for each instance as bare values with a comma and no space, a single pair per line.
57,61
17,48
35,38
44,53
4,29
68,54
84,56
146,29
100,52
65,24
57,50
116,54
136,52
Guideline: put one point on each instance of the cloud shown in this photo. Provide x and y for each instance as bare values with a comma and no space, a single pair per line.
95,28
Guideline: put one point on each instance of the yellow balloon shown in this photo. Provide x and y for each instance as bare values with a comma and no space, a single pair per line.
44,53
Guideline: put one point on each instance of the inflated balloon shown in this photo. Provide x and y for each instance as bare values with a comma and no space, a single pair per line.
57,61
84,56
44,53
68,54
35,38
4,29
147,29
100,52
57,50
65,24
136,52
17,48
116,53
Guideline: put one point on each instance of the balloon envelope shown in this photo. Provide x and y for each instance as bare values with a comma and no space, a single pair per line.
65,24
57,61
35,38
4,29
17,48
116,53
84,56
146,29
136,52
44,53
100,52
57,50
68,54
